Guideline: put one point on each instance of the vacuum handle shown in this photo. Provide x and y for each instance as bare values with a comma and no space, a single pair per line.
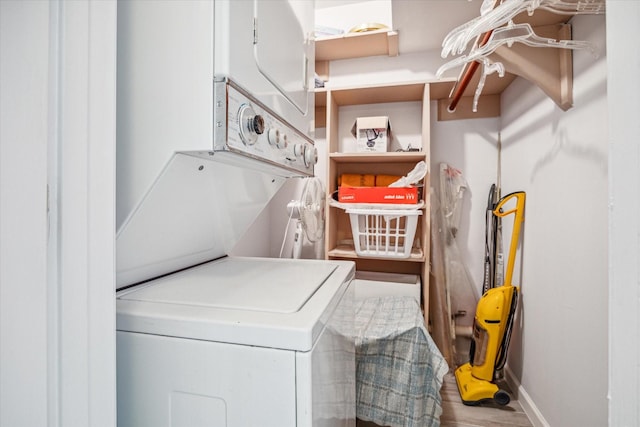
518,211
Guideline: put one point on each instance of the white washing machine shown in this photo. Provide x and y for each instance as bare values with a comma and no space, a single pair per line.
238,342
211,122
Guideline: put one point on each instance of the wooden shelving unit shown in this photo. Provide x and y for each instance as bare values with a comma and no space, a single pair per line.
330,100
338,237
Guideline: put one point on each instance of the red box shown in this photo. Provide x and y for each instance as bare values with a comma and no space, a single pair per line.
396,195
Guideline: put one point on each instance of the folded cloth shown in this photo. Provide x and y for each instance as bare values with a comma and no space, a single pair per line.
357,180
386,180
366,180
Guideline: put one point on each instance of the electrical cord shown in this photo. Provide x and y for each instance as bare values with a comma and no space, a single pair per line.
286,230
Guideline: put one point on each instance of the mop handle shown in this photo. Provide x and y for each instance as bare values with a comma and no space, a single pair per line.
520,197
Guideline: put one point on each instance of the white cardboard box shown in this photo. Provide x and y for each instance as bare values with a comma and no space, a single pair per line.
373,134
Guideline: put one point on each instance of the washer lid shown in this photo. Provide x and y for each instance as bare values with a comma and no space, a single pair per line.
239,284
195,211
265,302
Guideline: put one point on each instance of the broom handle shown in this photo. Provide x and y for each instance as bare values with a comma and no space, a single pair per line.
520,197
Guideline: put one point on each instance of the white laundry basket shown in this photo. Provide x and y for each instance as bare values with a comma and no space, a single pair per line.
383,233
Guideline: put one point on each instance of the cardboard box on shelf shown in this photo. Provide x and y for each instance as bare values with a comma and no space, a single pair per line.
373,134
397,195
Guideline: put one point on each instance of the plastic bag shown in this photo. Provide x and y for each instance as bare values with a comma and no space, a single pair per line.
416,175
462,291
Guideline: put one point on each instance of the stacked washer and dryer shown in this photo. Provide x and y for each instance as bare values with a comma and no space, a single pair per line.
215,112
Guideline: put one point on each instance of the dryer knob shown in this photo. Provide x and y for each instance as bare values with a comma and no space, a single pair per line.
310,156
251,124
299,150
258,124
282,143
279,140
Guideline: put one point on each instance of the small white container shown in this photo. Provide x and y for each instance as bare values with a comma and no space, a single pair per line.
383,233
373,134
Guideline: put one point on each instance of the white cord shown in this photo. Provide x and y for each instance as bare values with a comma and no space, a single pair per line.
286,230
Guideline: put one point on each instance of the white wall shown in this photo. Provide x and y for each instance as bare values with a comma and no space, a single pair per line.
471,147
623,86
24,369
559,159
272,233
339,14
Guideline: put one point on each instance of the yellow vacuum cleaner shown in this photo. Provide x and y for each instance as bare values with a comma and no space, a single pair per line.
492,325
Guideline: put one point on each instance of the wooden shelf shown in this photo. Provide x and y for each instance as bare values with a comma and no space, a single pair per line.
357,45
391,157
367,94
376,94
353,45
348,252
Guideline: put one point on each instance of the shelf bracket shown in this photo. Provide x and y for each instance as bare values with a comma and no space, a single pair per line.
551,69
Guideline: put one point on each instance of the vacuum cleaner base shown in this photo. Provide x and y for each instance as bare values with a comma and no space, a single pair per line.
474,391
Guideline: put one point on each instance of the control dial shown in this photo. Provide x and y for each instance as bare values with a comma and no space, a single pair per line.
277,138
310,156
251,124
308,153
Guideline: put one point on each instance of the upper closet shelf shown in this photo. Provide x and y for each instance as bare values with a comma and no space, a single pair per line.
357,45
353,45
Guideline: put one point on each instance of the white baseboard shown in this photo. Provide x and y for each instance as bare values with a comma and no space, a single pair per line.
528,405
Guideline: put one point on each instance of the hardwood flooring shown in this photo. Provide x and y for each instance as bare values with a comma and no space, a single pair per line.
456,414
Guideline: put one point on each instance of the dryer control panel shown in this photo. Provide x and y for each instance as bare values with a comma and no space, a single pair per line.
244,126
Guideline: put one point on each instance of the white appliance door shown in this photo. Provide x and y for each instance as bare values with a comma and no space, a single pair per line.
168,381
283,50
247,284
195,212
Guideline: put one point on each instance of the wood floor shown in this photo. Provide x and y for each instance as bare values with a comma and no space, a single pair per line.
456,414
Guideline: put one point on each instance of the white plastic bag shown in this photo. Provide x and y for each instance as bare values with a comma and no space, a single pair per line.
416,175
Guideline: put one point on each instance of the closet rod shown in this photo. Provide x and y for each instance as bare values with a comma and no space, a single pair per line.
462,84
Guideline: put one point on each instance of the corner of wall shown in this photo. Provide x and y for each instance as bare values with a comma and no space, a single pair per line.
527,403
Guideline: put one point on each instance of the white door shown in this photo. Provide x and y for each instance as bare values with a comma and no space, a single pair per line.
282,48
57,161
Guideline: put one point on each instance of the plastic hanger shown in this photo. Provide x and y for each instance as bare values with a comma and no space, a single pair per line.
521,33
457,40
570,8
488,68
